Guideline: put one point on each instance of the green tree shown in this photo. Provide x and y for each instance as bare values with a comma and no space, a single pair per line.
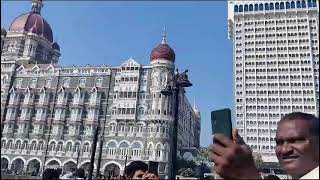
187,172
202,162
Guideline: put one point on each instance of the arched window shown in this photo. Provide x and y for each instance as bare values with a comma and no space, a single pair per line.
136,149
266,6
246,8
40,146
261,7
256,7
298,4
69,147
282,5
309,3
33,146
3,144
241,8
25,145
236,8
303,4
86,147
52,146
277,5
9,145
314,2
124,147
250,7
112,147
293,5
271,6
158,151
287,5
59,146
76,147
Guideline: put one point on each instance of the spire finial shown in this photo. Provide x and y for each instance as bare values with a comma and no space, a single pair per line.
36,6
164,36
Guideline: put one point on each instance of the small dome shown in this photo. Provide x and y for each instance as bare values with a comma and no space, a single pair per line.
3,31
163,51
56,46
32,22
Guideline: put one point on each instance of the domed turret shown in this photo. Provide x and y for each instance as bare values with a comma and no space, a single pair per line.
33,22
163,51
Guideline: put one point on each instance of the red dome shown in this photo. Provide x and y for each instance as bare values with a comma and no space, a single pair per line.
32,22
163,51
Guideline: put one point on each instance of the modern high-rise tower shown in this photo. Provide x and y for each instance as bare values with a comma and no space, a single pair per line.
276,65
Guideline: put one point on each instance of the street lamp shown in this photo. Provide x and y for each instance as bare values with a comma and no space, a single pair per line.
180,81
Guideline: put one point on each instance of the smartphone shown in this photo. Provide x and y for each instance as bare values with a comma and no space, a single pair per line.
221,122
153,167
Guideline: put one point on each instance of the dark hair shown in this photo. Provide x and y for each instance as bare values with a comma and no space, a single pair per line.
80,173
271,176
312,120
134,166
50,174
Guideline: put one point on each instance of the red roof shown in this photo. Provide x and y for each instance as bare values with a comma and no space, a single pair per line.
32,22
163,51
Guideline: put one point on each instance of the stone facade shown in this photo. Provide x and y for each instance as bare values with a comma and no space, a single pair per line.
50,113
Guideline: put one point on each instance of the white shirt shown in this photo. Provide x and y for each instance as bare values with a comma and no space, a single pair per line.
314,174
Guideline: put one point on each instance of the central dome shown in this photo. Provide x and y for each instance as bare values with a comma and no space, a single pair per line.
163,51
32,22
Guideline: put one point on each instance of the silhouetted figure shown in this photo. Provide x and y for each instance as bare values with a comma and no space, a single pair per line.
50,174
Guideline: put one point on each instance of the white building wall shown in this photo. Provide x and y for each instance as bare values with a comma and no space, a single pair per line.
276,66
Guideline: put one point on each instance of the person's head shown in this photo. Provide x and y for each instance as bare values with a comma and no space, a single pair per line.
80,173
136,169
50,174
297,143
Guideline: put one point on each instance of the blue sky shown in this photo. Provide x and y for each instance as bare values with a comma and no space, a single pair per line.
107,32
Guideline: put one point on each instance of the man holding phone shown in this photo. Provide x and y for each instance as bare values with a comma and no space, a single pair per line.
297,149
140,170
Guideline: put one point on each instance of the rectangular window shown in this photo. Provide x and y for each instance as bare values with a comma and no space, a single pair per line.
48,83
19,83
33,83
82,82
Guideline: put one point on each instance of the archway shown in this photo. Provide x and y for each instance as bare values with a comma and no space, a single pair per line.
33,167
17,165
112,170
4,163
70,166
85,166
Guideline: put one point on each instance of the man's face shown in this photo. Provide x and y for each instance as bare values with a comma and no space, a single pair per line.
138,174
296,147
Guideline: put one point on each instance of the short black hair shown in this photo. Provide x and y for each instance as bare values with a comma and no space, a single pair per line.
312,120
51,174
80,173
134,166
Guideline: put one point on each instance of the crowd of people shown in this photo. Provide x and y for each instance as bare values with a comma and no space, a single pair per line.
19,172
297,149
136,170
